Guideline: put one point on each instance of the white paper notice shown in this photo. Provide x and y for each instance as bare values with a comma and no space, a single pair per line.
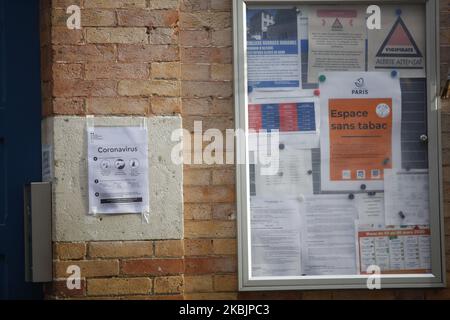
293,179
394,249
400,43
275,237
328,235
370,208
47,163
360,130
337,40
406,197
118,170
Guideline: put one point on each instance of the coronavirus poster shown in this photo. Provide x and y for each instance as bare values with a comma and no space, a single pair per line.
118,170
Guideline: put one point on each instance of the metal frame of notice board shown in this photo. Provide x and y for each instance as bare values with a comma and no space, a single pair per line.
430,280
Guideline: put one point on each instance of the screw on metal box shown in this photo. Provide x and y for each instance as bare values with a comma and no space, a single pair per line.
423,138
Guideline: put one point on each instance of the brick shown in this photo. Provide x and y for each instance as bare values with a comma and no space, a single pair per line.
165,106
113,4
89,268
147,18
225,283
63,35
194,5
409,294
223,177
148,53
199,177
198,283
222,72
224,246
149,87
118,286
163,36
209,122
77,88
86,53
222,38
58,288
198,72
206,55
364,295
209,194
209,229
156,267
197,106
98,18
157,297
222,5
119,249
437,294
169,285
117,35
69,250
70,106
169,248
118,106
61,3
268,295
197,247
67,71
163,4
194,211
205,19
194,38
117,71
317,295
224,211
206,89
166,70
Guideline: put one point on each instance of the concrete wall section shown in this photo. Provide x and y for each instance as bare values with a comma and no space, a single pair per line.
71,221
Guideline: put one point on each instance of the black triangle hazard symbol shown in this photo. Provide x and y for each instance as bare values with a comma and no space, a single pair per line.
337,24
399,43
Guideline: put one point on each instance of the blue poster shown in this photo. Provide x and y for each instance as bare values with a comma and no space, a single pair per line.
273,58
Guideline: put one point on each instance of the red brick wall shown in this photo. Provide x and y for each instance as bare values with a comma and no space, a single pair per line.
162,57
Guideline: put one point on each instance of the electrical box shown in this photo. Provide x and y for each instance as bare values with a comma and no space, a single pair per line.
38,232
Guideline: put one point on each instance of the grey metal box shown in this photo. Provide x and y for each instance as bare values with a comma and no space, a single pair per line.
38,232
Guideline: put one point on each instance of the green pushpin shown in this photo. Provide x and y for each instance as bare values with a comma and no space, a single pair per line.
322,78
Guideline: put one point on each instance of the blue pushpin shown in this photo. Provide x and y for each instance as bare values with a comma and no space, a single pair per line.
398,12
394,73
322,78
250,89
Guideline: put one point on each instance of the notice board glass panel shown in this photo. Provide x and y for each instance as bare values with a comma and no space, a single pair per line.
341,177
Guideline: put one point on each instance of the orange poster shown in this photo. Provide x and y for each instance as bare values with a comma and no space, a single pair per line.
360,138
360,129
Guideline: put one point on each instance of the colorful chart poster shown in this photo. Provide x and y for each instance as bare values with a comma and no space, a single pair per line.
360,129
400,43
337,40
296,121
394,250
273,55
285,117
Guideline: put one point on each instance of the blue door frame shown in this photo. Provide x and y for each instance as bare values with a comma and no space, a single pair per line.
20,142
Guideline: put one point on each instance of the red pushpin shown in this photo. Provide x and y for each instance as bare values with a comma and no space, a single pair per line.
317,92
